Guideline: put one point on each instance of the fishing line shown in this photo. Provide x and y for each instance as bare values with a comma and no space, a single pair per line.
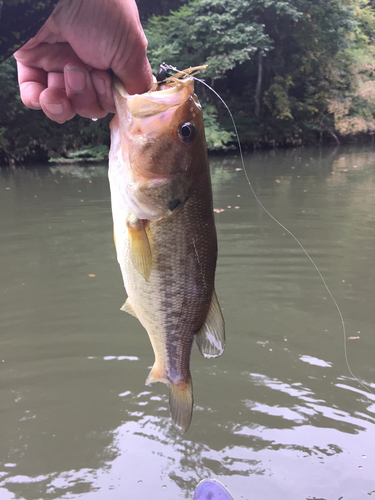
282,226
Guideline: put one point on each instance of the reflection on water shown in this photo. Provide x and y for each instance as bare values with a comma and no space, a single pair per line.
278,415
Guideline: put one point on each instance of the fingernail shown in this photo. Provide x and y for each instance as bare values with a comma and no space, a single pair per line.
76,78
54,109
98,84
35,104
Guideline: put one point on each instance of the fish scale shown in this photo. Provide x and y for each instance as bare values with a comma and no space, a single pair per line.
164,231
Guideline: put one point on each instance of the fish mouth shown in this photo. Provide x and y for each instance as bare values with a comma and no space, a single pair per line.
148,116
157,100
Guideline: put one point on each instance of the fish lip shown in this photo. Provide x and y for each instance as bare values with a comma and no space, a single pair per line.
154,102
155,95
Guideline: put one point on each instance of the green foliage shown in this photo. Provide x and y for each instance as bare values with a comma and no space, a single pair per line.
27,135
292,72
216,137
353,104
218,33
279,60
88,154
277,99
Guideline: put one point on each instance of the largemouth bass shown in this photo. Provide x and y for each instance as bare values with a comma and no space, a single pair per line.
164,229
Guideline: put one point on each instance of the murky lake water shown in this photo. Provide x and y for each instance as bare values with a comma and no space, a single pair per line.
277,416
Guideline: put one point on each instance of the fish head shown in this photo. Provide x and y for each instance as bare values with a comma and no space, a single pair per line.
161,143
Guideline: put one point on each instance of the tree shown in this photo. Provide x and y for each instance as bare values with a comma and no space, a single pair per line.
292,72
220,34
353,107
27,135
276,62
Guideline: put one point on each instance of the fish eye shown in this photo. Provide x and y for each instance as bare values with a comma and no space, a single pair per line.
186,132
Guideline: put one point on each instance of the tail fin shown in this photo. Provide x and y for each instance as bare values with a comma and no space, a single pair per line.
181,405
180,398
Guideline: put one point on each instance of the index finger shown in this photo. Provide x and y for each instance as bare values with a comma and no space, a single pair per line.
132,66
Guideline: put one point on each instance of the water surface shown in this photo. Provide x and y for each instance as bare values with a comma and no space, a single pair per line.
279,415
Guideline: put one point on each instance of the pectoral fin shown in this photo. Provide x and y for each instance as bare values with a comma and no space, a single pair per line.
211,337
140,250
128,308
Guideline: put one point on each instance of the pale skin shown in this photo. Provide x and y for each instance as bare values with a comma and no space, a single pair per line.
66,69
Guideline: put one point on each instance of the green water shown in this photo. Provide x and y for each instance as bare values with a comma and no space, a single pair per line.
277,416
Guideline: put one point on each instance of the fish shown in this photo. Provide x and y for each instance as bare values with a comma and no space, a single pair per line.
164,229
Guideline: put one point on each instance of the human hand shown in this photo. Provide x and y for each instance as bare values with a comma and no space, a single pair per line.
65,68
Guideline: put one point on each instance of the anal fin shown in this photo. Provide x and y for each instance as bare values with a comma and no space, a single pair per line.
157,374
211,337
152,378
